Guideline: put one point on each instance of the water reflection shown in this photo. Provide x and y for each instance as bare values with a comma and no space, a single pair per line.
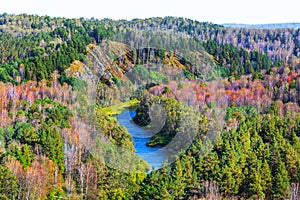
153,155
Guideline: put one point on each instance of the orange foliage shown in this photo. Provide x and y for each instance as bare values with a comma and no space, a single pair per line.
12,97
36,181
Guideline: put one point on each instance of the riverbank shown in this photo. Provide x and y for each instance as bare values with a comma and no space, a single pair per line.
120,107
152,155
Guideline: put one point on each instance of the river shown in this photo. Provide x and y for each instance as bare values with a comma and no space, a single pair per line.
153,155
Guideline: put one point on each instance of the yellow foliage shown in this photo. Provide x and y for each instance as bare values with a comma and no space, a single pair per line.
76,66
90,46
118,108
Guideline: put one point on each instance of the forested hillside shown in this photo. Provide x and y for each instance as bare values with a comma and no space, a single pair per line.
265,26
231,94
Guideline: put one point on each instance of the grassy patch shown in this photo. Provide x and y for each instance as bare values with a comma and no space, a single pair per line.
118,108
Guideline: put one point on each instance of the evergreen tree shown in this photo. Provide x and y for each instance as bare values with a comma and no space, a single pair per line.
8,184
281,182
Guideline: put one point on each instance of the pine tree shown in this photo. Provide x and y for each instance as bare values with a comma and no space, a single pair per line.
254,183
281,181
8,184
266,178
228,183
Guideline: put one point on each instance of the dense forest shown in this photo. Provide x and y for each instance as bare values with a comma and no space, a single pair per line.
231,94
265,26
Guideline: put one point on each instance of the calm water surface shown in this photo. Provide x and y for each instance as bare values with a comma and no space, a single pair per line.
153,155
